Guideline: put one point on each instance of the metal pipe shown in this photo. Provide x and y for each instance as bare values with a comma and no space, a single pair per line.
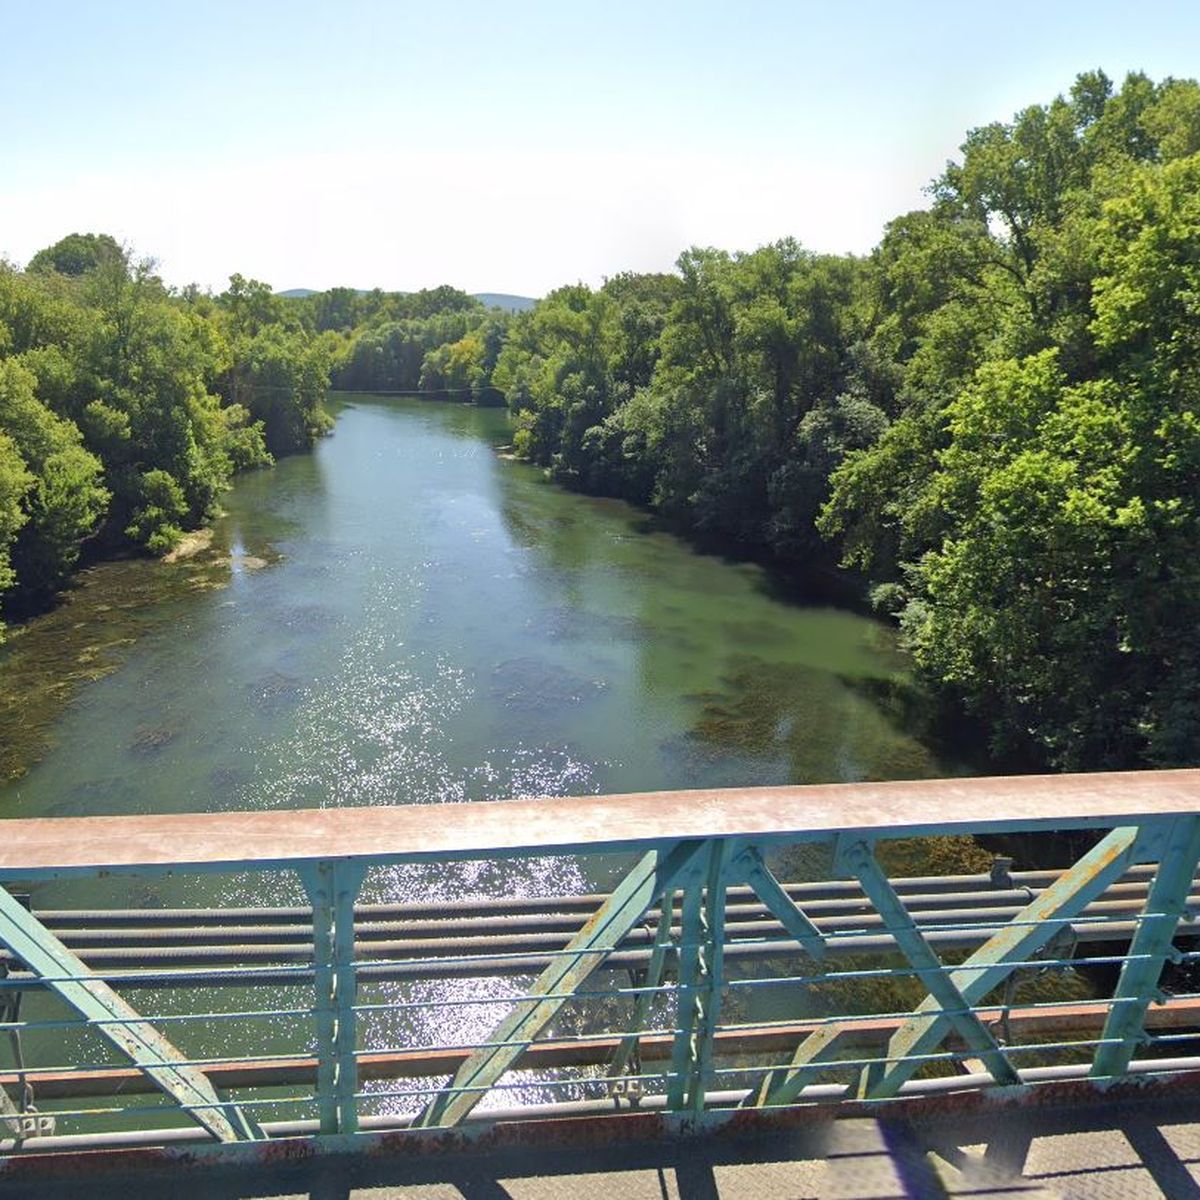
914,888
594,1050
102,947
829,914
120,967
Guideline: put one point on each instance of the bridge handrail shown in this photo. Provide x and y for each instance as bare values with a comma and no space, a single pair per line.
379,835
665,965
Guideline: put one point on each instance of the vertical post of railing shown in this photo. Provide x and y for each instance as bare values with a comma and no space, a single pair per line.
1137,986
701,976
332,888
709,1012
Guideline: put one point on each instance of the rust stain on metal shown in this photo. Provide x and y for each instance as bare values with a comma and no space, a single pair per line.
69,1164
419,832
593,1132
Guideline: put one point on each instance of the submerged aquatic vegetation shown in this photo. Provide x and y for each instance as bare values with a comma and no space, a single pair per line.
86,637
808,719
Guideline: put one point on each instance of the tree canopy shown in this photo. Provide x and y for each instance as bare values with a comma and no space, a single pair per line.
127,406
117,420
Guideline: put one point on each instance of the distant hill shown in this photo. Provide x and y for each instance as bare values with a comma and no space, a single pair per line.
488,299
504,300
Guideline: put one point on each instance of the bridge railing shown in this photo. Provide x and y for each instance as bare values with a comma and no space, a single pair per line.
704,983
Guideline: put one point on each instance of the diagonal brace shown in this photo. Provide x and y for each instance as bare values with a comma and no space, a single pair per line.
586,951
784,1084
751,868
650,981
934,974
780,1086
982,971
67,977
995,960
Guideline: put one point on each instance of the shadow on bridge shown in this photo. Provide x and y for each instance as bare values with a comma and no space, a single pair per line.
790,1166
1128,1151
1122,1152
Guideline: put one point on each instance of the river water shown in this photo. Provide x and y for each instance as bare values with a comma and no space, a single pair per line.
405,616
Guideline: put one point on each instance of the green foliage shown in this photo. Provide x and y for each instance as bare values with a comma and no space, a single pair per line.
159,510
995,415
118,420
389,357
15,483
252,306
693,392
244,439
125,408
281,377
77,254
64,498
1031,512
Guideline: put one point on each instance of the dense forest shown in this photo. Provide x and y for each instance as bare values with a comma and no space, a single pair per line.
994,416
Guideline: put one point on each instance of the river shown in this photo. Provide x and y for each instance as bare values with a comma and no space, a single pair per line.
406,616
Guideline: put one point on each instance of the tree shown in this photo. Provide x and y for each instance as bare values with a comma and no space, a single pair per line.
15,483
281,379
252,306
1041,519
77,254
64,498
159,511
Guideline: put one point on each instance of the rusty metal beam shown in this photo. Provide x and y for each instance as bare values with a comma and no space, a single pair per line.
436,832
1066,1018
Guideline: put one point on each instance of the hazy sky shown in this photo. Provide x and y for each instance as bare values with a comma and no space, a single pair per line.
514,146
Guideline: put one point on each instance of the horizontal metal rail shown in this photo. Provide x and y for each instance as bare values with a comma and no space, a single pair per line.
720,1106
588,1050
280,839
923,890
470,945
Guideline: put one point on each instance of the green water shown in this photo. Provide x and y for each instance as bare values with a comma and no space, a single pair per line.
407,617
435,623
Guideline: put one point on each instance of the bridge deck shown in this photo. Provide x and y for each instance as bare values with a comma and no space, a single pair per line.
1106,1152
